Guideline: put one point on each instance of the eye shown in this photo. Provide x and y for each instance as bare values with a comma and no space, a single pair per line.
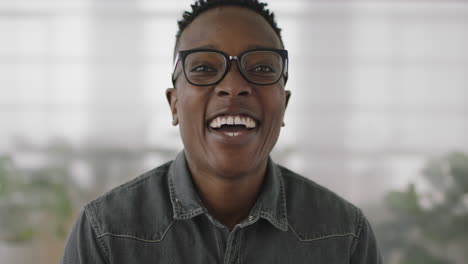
203,68
262,68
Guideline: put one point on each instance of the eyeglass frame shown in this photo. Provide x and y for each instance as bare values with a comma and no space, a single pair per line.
182,55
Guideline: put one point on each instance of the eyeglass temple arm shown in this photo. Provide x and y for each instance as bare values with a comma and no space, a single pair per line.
176,61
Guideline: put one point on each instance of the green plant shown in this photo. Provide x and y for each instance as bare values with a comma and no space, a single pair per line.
32,201
425,225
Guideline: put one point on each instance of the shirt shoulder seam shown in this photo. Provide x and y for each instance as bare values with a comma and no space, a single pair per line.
321,237
90,218
137,238
359,226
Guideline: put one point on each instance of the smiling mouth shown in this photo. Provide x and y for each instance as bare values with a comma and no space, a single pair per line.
233,125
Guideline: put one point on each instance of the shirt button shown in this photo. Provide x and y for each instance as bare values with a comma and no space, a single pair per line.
251,218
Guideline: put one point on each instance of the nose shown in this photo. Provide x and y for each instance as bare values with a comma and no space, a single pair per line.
233,84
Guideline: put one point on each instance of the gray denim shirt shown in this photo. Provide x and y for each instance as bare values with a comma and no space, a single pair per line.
159,218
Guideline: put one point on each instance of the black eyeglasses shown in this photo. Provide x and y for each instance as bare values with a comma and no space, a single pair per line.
204,67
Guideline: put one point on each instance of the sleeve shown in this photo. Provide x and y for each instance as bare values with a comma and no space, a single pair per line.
365,249
83,245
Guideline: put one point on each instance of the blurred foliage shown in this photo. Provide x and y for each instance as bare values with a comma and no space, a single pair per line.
32,201
41,198
430,226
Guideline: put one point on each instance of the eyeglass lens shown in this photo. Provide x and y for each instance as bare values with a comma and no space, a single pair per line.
207,67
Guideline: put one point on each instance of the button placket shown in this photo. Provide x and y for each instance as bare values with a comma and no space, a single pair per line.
233,246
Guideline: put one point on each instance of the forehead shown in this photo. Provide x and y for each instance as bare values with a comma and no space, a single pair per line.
230,29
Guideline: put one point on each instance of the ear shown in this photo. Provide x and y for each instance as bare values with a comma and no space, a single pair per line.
171,95
288,95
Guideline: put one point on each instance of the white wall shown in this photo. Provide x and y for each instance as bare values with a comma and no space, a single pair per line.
378,86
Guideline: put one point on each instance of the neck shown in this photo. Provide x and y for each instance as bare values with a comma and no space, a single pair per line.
229,200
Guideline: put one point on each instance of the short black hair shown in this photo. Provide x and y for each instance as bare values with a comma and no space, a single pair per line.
201,6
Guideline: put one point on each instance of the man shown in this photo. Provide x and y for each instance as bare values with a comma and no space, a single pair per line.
223,200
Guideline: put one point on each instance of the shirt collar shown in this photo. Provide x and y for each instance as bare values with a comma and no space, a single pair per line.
270,204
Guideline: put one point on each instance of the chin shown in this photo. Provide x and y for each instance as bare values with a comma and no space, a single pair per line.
234,166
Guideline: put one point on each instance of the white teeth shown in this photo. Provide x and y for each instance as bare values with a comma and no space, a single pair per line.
233,120
233,134
222,121
250,123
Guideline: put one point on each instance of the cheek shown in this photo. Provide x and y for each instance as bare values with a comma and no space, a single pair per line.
191,109
274,107
188,106
274,110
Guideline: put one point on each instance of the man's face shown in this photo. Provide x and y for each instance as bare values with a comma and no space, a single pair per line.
228,151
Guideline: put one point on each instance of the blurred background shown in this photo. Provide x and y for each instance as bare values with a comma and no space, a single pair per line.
379,113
